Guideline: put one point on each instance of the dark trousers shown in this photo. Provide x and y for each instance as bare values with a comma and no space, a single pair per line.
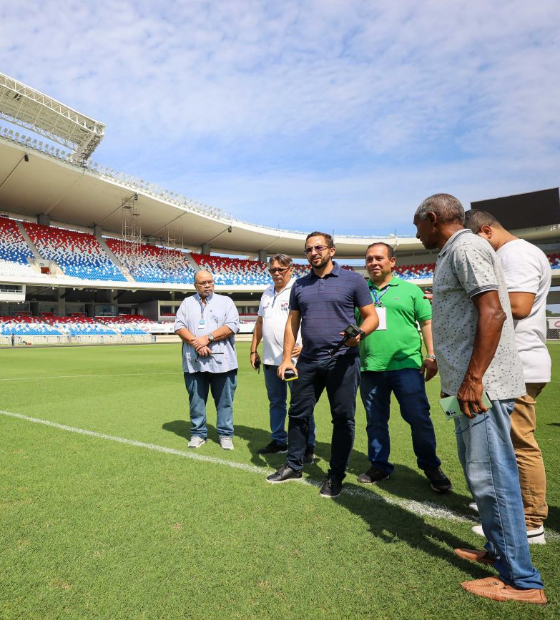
409,388
341,377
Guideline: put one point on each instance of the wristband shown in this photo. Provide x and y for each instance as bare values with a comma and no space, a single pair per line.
253,352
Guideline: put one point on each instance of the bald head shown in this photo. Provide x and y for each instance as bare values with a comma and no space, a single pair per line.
204,283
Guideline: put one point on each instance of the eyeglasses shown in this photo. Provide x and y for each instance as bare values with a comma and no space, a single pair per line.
317,248
278,269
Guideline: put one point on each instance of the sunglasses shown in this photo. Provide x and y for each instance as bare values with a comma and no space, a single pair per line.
317,248
278,269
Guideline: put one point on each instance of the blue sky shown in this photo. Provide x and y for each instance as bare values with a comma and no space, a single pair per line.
337,115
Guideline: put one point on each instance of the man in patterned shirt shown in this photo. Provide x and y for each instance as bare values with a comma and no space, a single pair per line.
475,346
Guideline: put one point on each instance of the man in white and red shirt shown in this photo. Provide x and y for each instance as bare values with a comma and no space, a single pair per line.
270,326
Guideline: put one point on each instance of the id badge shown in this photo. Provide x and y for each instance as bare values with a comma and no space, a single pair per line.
201,324
382,315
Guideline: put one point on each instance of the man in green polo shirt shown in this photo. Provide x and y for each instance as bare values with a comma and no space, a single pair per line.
392,361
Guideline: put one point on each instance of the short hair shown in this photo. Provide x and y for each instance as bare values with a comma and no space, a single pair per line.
445,206
328,238
283,259
390,249
475,219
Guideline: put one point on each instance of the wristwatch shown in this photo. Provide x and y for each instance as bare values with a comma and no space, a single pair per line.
362,334
431,357
210,338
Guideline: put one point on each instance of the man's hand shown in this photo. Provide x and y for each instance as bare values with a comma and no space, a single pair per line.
200,342
429,297
204,352
255,360
352,342
429,369
470,397
286,366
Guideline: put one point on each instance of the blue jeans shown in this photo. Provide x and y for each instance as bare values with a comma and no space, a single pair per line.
340,376
277,391
488,459
223,386
410,391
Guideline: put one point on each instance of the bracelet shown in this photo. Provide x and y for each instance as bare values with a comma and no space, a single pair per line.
431,357
253,352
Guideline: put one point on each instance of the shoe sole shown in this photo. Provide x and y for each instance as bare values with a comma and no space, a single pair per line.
282,481
534,539
196,447
330,496
273,452
440,490
372,481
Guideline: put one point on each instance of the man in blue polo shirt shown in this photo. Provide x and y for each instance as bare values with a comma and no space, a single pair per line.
323,304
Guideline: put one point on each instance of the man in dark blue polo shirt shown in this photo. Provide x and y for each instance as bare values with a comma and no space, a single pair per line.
323,303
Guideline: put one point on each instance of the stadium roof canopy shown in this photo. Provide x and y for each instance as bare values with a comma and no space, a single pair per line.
35,181
29,108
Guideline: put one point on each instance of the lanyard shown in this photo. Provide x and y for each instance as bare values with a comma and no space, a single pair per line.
376,297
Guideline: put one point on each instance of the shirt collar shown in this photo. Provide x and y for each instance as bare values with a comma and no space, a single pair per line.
335,272
452,239
393,282
209,298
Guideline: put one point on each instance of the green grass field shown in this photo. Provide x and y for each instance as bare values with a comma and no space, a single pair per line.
96,528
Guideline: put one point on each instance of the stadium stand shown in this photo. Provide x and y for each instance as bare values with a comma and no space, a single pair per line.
78,254
415,272
79,326
130,324
26,326
234,271
155,264
14,251
554,260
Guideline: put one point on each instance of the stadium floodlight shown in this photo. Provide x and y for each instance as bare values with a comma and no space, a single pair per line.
31,109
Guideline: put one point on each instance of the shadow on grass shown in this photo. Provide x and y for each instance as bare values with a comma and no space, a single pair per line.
392,524
412,484
257,438
553,520
181,428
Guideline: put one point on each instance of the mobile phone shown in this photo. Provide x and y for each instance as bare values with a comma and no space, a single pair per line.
290,375
258,365
452,409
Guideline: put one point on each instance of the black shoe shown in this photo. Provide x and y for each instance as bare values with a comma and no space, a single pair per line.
372,475
440,483
331,487
274,448
309,455
284,474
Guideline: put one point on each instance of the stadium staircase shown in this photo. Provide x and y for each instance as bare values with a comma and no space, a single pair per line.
122,268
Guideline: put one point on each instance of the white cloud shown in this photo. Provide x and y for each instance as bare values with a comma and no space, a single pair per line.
250,102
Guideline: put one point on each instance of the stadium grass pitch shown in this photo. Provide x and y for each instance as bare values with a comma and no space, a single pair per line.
106,514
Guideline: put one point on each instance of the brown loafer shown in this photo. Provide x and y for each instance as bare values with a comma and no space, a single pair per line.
475,556
497,590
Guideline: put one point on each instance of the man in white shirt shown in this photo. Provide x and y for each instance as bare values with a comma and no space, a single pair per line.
527,274
270,326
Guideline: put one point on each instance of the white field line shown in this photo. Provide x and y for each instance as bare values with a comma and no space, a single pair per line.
426,509
120,374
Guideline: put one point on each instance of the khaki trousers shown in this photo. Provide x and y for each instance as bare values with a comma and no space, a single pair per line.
532,476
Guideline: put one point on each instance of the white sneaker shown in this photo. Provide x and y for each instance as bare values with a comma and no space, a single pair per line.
196,442
534,537
473,506
226,443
